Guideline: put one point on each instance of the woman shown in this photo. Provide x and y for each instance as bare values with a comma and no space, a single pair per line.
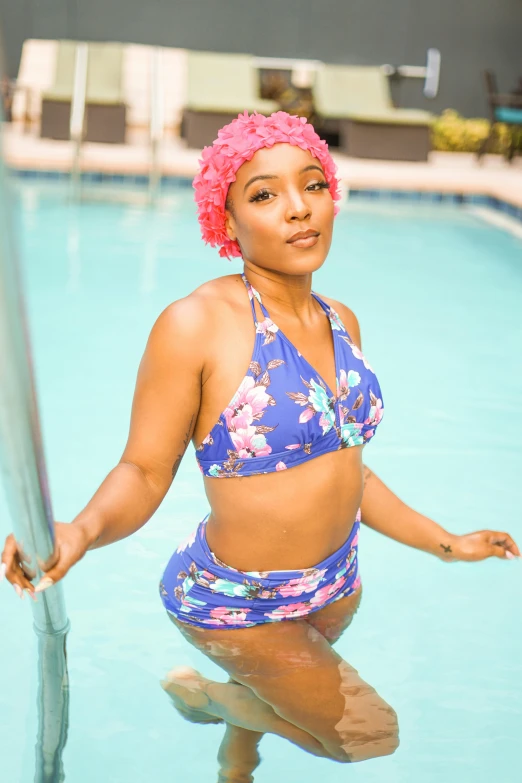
269,580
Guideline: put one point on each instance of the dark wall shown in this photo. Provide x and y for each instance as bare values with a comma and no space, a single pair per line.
471,34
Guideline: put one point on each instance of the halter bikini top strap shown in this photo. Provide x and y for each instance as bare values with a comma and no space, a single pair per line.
252,293
326,307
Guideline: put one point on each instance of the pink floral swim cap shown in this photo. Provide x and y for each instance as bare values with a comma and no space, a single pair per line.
237,143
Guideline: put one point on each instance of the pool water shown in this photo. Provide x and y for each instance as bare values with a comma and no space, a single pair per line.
438,293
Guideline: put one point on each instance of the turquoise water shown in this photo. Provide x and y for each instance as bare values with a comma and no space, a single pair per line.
437,292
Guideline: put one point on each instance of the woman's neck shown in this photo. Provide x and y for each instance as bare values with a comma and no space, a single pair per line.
285,294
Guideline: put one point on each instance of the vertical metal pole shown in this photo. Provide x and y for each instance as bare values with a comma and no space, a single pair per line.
22,467
156,120
78,111
21,449
53,709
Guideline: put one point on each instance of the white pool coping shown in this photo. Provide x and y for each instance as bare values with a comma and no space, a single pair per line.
445,172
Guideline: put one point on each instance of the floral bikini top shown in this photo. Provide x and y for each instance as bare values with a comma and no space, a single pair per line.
284,413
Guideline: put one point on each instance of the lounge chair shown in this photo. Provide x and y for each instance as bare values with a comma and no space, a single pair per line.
505,108
355,101
105,110
56,102
220,86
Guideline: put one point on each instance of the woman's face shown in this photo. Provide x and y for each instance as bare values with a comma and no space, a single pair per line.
281,192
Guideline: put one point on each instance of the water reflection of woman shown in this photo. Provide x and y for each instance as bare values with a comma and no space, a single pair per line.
269,381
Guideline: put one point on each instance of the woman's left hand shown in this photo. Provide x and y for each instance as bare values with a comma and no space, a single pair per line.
483,544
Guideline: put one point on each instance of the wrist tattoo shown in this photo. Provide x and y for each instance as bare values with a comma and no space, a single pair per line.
186,439
447,549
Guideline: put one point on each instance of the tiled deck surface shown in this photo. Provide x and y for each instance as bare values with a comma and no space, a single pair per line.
444,172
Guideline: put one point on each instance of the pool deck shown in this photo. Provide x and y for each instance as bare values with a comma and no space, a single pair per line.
445,172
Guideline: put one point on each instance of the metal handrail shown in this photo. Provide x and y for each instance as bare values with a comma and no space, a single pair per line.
77,120
22,466
156,121
21,449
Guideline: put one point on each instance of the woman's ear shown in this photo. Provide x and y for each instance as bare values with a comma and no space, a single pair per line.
230,227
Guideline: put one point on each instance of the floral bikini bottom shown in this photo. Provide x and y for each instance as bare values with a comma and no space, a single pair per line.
199,589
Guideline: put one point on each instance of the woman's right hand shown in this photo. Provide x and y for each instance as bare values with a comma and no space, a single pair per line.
71,543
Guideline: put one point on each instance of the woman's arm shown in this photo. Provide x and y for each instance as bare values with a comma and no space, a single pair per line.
164,411
385,512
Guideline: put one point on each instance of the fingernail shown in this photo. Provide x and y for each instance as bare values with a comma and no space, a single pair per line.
43,584
3,569
510,555
30,594
18,590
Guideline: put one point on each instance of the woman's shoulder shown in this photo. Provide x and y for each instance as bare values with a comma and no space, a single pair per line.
203,310
224,291
348,318
207,298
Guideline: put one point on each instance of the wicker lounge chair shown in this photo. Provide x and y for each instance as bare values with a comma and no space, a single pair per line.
56,102
105,110
355,101
505,108
220,86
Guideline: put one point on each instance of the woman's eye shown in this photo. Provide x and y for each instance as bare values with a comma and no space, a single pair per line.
261,195
265,195
318,185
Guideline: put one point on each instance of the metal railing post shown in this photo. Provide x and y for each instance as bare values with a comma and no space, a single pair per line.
22,467
21,449
156,121
77,119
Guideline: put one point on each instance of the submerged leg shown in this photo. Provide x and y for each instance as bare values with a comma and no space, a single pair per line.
235,704
238,755
298,688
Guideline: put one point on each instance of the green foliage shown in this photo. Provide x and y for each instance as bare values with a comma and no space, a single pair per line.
453,133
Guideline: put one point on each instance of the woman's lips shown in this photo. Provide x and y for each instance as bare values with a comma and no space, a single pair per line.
304,241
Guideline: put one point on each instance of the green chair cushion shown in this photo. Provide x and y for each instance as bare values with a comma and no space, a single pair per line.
104,73
62,87
341,90
395,117
211,107
361,93
224,83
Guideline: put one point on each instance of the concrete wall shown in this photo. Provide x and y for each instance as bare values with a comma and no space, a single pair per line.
471,34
